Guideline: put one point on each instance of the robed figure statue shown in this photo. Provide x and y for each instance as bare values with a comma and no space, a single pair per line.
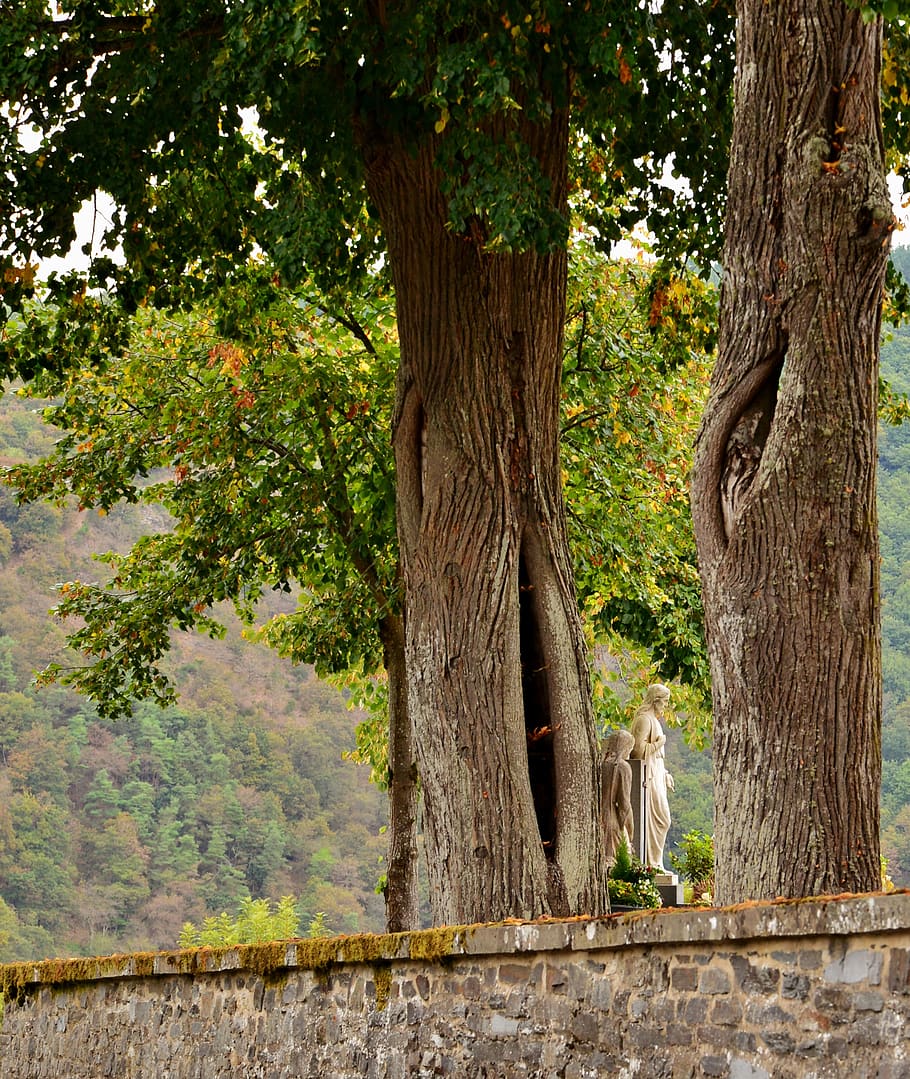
649,740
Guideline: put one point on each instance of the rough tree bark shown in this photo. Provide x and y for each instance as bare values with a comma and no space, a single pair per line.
783,491
498,684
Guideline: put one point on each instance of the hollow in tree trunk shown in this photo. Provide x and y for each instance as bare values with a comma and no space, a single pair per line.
783,492
497,676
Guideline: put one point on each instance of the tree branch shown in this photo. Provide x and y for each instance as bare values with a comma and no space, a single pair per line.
354,327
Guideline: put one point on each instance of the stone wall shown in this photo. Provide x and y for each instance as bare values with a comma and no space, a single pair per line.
788,989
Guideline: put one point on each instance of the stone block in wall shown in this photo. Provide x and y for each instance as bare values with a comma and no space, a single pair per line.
857,965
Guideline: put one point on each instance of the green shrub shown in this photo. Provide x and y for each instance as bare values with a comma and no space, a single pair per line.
256,922
696,865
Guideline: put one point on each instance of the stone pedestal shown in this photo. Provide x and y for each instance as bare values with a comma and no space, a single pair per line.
671,891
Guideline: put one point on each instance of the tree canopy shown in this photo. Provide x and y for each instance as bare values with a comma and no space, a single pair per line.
218,129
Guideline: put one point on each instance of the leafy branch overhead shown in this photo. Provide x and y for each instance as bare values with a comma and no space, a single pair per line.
268,452
268,148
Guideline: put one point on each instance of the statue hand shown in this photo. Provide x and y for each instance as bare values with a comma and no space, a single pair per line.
671,786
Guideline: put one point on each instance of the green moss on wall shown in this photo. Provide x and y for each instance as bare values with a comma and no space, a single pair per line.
14,977
382,980
266,960
144,964
435,944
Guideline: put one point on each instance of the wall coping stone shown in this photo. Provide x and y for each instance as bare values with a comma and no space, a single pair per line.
841,915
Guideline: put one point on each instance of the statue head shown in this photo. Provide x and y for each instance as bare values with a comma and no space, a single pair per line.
657,692
619,745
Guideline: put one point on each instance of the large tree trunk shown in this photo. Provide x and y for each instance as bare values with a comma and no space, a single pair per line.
402,905
498,684
783,489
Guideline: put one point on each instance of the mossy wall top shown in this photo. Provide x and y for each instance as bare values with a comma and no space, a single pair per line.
817,987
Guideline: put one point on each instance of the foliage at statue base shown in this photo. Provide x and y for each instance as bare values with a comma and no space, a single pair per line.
631,883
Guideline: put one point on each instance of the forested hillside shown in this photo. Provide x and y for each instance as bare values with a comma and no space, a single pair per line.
114,833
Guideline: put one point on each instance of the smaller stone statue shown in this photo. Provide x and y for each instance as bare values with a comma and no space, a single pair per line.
649,748
616,793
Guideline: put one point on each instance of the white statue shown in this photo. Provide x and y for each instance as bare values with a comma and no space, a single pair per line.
649,748
616,793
